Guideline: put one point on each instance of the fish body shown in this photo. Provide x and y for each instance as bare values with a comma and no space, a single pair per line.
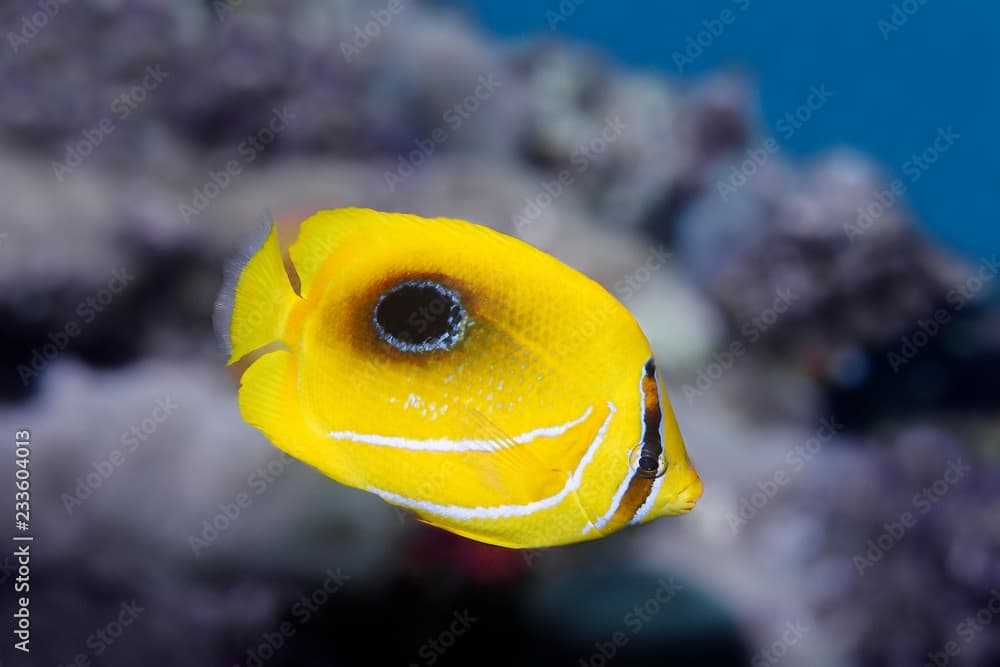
457,372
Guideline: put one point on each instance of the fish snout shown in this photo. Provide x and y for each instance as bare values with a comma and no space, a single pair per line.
689,491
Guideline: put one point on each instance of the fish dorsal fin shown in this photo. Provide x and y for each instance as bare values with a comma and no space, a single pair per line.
325,234
325,231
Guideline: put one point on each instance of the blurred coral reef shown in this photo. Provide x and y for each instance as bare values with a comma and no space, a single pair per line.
773,311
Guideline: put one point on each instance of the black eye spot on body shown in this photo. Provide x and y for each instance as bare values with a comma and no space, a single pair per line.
419,316
647,457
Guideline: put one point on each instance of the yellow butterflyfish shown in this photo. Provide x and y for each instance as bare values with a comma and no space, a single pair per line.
457,372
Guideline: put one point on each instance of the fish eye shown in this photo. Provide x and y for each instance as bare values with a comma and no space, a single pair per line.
419,316
646,464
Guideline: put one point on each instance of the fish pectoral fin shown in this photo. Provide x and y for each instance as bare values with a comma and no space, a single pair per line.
514,470
255,300
505,467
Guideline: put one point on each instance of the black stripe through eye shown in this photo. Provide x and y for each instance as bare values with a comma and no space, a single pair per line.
652,447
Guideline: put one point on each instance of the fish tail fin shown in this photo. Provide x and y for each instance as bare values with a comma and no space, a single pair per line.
255,299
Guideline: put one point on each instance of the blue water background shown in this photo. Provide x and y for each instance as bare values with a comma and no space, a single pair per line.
893,91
